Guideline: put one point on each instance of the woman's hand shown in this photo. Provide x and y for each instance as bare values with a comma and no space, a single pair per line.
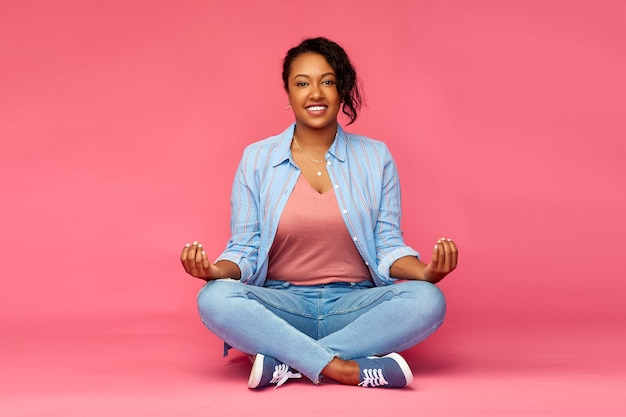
197,264
443,261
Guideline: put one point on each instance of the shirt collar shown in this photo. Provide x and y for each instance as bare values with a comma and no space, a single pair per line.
338,149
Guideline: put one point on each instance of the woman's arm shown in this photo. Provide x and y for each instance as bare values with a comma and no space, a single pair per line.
197,264
443,261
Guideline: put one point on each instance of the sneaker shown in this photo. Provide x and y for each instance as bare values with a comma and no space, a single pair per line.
267,370
390,371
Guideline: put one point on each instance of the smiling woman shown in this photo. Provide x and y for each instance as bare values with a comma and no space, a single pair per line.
315,101
313,93
307,283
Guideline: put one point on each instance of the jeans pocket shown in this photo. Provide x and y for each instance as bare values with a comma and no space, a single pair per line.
362,299
277,285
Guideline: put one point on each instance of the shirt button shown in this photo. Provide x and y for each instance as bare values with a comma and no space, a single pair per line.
336,185
367,263
355,238
327,162
345,212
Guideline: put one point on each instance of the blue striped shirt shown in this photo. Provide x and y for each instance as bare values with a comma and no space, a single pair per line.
365,181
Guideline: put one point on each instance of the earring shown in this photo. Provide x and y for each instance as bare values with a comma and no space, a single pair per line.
288,107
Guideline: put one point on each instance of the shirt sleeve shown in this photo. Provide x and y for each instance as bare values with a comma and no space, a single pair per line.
243,245
390,244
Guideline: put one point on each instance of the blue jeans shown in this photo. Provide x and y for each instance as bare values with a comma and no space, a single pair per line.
305,327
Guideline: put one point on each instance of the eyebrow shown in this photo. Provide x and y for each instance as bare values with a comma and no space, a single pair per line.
308,76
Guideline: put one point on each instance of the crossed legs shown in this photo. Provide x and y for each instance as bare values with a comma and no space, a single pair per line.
320,329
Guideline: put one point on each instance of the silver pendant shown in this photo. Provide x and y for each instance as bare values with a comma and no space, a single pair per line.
319,173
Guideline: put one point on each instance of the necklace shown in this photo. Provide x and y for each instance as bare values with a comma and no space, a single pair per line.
308,158
303,153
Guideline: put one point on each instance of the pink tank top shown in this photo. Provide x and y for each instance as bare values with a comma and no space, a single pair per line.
312,244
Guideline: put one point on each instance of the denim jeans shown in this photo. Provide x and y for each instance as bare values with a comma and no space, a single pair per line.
305,327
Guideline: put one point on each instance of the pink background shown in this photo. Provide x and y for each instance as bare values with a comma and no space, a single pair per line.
122,122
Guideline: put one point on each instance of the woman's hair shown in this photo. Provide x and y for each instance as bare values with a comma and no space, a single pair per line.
346,83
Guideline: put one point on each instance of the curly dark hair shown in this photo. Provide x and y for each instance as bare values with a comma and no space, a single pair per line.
347,85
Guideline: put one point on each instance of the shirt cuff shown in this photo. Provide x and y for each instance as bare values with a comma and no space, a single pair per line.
240,261
384,266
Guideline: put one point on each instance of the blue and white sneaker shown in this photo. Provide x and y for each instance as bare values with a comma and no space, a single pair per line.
267,371
390,371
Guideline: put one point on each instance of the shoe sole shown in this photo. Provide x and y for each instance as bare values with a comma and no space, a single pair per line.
257,371
404,366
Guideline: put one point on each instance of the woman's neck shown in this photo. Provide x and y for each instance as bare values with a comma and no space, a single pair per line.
316,139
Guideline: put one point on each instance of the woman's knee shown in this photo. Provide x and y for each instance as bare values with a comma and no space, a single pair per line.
430,298
213,298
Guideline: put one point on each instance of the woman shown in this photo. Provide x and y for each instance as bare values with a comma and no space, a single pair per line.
308,280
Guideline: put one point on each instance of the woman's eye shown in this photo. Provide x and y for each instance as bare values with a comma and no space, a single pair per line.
301,84
328,82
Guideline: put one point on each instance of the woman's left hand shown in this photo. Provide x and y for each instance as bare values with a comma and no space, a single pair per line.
443,261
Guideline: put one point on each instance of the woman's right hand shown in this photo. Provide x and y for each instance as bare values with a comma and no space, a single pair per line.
197,264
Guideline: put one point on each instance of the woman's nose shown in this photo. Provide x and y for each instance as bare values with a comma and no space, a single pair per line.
316,92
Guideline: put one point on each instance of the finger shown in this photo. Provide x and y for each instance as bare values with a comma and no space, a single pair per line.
449,262
199,261
205,261
198,258
191,259
454,250
447,255
441,254
434,260
183,257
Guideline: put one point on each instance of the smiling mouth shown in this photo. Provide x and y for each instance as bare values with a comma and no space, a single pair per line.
316,108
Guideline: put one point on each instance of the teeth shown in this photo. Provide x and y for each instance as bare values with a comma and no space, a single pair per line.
316,108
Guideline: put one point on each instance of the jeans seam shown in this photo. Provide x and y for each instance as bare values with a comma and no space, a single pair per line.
421,336
362,306
279,307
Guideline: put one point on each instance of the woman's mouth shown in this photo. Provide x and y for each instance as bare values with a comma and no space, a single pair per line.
317,109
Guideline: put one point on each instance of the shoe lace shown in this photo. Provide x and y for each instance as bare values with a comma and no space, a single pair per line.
282,374
373,378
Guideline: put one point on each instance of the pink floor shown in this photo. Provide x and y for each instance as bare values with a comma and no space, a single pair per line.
121,126
167,365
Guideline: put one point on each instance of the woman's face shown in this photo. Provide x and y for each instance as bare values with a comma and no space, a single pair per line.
312,91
